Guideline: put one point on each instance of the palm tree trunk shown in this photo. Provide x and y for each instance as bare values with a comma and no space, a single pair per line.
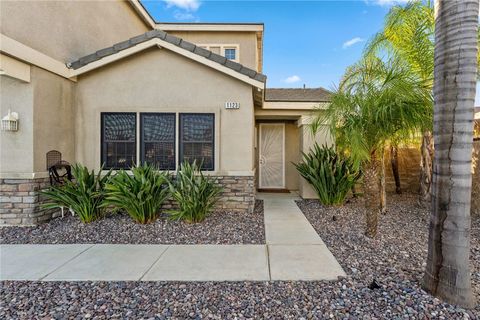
425,194
447,273
371,190
383,189
394,163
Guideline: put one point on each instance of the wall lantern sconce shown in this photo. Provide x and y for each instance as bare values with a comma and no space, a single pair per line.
10,121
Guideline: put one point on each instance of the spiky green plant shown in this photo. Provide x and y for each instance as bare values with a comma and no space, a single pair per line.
84,195
140,194
331,175
195,194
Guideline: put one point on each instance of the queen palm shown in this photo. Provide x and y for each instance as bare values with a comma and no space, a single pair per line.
375,101
447,273
408,34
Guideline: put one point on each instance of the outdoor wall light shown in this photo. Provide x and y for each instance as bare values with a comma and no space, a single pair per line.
10,121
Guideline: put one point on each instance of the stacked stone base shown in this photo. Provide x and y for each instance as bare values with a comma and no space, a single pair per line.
21,202
238,193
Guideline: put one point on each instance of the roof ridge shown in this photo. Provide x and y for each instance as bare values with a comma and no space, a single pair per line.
179,42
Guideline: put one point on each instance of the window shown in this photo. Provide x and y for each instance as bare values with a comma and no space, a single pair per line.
231,54
229,51
158,140
119,140
197,139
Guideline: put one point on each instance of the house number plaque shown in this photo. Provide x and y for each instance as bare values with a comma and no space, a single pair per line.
232,105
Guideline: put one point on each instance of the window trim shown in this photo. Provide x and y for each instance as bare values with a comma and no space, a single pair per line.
180,137
142,138
103,161
224,46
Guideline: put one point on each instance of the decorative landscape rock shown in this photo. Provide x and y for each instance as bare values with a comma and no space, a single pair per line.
221,227
395,259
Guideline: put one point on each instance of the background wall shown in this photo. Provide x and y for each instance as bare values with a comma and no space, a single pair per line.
246,40
16,148
53,114
408,167
67,30
158,80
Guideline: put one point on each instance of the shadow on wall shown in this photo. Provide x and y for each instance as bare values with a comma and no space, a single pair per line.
408,167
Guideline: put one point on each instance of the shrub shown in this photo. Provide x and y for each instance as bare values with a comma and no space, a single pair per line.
140,194
84,195
330,174
195,194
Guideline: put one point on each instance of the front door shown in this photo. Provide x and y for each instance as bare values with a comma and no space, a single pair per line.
271,156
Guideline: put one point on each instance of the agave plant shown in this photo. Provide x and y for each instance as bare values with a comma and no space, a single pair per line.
84,195
330,174
140,194
195,194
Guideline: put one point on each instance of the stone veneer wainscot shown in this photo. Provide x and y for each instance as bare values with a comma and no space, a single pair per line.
20,199
20,202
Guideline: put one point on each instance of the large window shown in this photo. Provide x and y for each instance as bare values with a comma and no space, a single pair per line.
197,139
158,140
119,140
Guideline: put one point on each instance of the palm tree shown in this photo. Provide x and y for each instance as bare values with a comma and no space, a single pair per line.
447,273
375,101
408,33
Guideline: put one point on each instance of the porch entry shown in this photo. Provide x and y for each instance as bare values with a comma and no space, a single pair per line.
271,156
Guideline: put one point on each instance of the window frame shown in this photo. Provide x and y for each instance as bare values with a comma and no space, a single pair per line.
142,137
180,137
103,160
224,46
234,50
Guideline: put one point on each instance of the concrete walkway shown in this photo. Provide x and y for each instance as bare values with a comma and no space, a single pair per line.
293,251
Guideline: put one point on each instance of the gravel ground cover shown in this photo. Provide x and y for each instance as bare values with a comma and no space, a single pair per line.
218,228
395,260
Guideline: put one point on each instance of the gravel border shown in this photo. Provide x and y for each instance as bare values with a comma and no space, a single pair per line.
219,228
395,260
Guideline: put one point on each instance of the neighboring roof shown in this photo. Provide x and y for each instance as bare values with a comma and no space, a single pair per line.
172,40
298,94
477,113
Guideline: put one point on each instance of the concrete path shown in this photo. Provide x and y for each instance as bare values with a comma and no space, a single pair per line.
293,251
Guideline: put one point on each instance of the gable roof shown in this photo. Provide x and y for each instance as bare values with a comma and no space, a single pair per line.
161,38
298,94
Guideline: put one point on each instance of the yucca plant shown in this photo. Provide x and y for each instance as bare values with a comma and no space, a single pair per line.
330,174
84,195
195,194
141,193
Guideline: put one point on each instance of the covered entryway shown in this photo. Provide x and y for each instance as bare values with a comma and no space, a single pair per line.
271,156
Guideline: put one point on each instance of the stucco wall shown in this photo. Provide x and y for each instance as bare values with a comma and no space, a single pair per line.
158,80
53,114
66,30
292,154
246,40
16,148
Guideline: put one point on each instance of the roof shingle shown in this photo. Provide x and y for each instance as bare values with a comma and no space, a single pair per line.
298,94
83,61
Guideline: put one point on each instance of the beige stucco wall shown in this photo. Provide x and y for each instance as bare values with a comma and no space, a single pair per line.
292,154
45,108
67,30
247,42
307,140
53,114
158,80
16,148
